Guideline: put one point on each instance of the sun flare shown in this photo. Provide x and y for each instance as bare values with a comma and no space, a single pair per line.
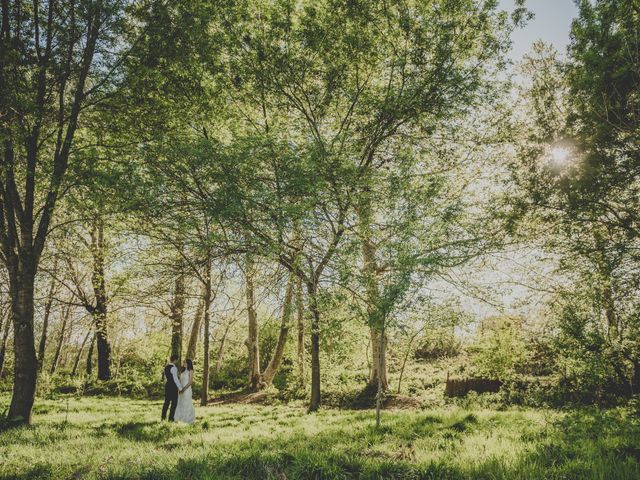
560,155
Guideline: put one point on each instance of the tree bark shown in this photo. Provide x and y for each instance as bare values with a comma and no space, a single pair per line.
207,298
312,290
381,388
300,346
204,396
285,325
3,343
220,353
379,360
372,289
63,327
406,356
195,332
45,321
89,367
76,361
176,315
25,366
252,341
99,310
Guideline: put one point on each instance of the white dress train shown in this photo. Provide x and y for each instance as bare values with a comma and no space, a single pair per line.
185,411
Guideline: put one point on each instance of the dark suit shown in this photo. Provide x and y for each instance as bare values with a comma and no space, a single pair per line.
170,394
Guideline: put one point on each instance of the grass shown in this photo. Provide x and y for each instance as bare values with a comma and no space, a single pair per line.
107,438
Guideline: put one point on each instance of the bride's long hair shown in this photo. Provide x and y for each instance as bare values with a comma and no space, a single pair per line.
189,365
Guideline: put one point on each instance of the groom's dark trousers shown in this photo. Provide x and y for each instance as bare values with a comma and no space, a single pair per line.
170,394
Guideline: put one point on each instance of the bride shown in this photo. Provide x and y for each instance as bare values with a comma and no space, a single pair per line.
185,412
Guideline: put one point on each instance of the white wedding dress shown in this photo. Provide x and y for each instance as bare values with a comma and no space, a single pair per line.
185,411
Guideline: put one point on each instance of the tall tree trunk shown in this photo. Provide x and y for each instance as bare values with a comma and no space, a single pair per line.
76,360
63,327
252,341
406,356
204,396
195,331
381,361
45,321
285,325
177,314
312,290
99,311
635,377
220,354
300,346
25,367
89,367
372,289
613,332
3,343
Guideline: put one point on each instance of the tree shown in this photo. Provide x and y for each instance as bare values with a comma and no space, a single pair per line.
66,313
5,325
49,76
45,321
332,104
196,328
575,177
177,312
252,341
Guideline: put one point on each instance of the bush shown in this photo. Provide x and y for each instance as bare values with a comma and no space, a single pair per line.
437,344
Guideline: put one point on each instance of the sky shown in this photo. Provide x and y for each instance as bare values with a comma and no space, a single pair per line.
506,283
552,24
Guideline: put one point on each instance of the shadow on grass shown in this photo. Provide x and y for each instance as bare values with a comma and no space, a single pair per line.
586,444
152,431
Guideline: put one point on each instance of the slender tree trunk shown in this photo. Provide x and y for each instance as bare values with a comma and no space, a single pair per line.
204,396
4,322
312,290
76,361
613,332
381,387
3,343
636,377
63,328
285,325
89,368
45,321
195,332
406,356
300,314
99,311
177,314
220,354
372,288
252,341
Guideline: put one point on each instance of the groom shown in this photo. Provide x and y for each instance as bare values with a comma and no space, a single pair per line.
171,388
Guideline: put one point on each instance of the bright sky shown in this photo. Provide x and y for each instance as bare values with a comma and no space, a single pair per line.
509,282
551,24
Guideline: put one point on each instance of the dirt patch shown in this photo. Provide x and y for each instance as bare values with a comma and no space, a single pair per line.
402,401
259,398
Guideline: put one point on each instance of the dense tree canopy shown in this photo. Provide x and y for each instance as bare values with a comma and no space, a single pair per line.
210,179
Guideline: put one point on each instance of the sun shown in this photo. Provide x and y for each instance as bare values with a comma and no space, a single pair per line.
560,155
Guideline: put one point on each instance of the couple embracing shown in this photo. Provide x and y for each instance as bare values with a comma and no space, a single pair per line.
177,392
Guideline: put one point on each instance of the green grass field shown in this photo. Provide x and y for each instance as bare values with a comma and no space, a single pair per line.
106,438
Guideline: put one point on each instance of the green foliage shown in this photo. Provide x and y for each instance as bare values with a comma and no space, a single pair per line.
500,348
437,344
